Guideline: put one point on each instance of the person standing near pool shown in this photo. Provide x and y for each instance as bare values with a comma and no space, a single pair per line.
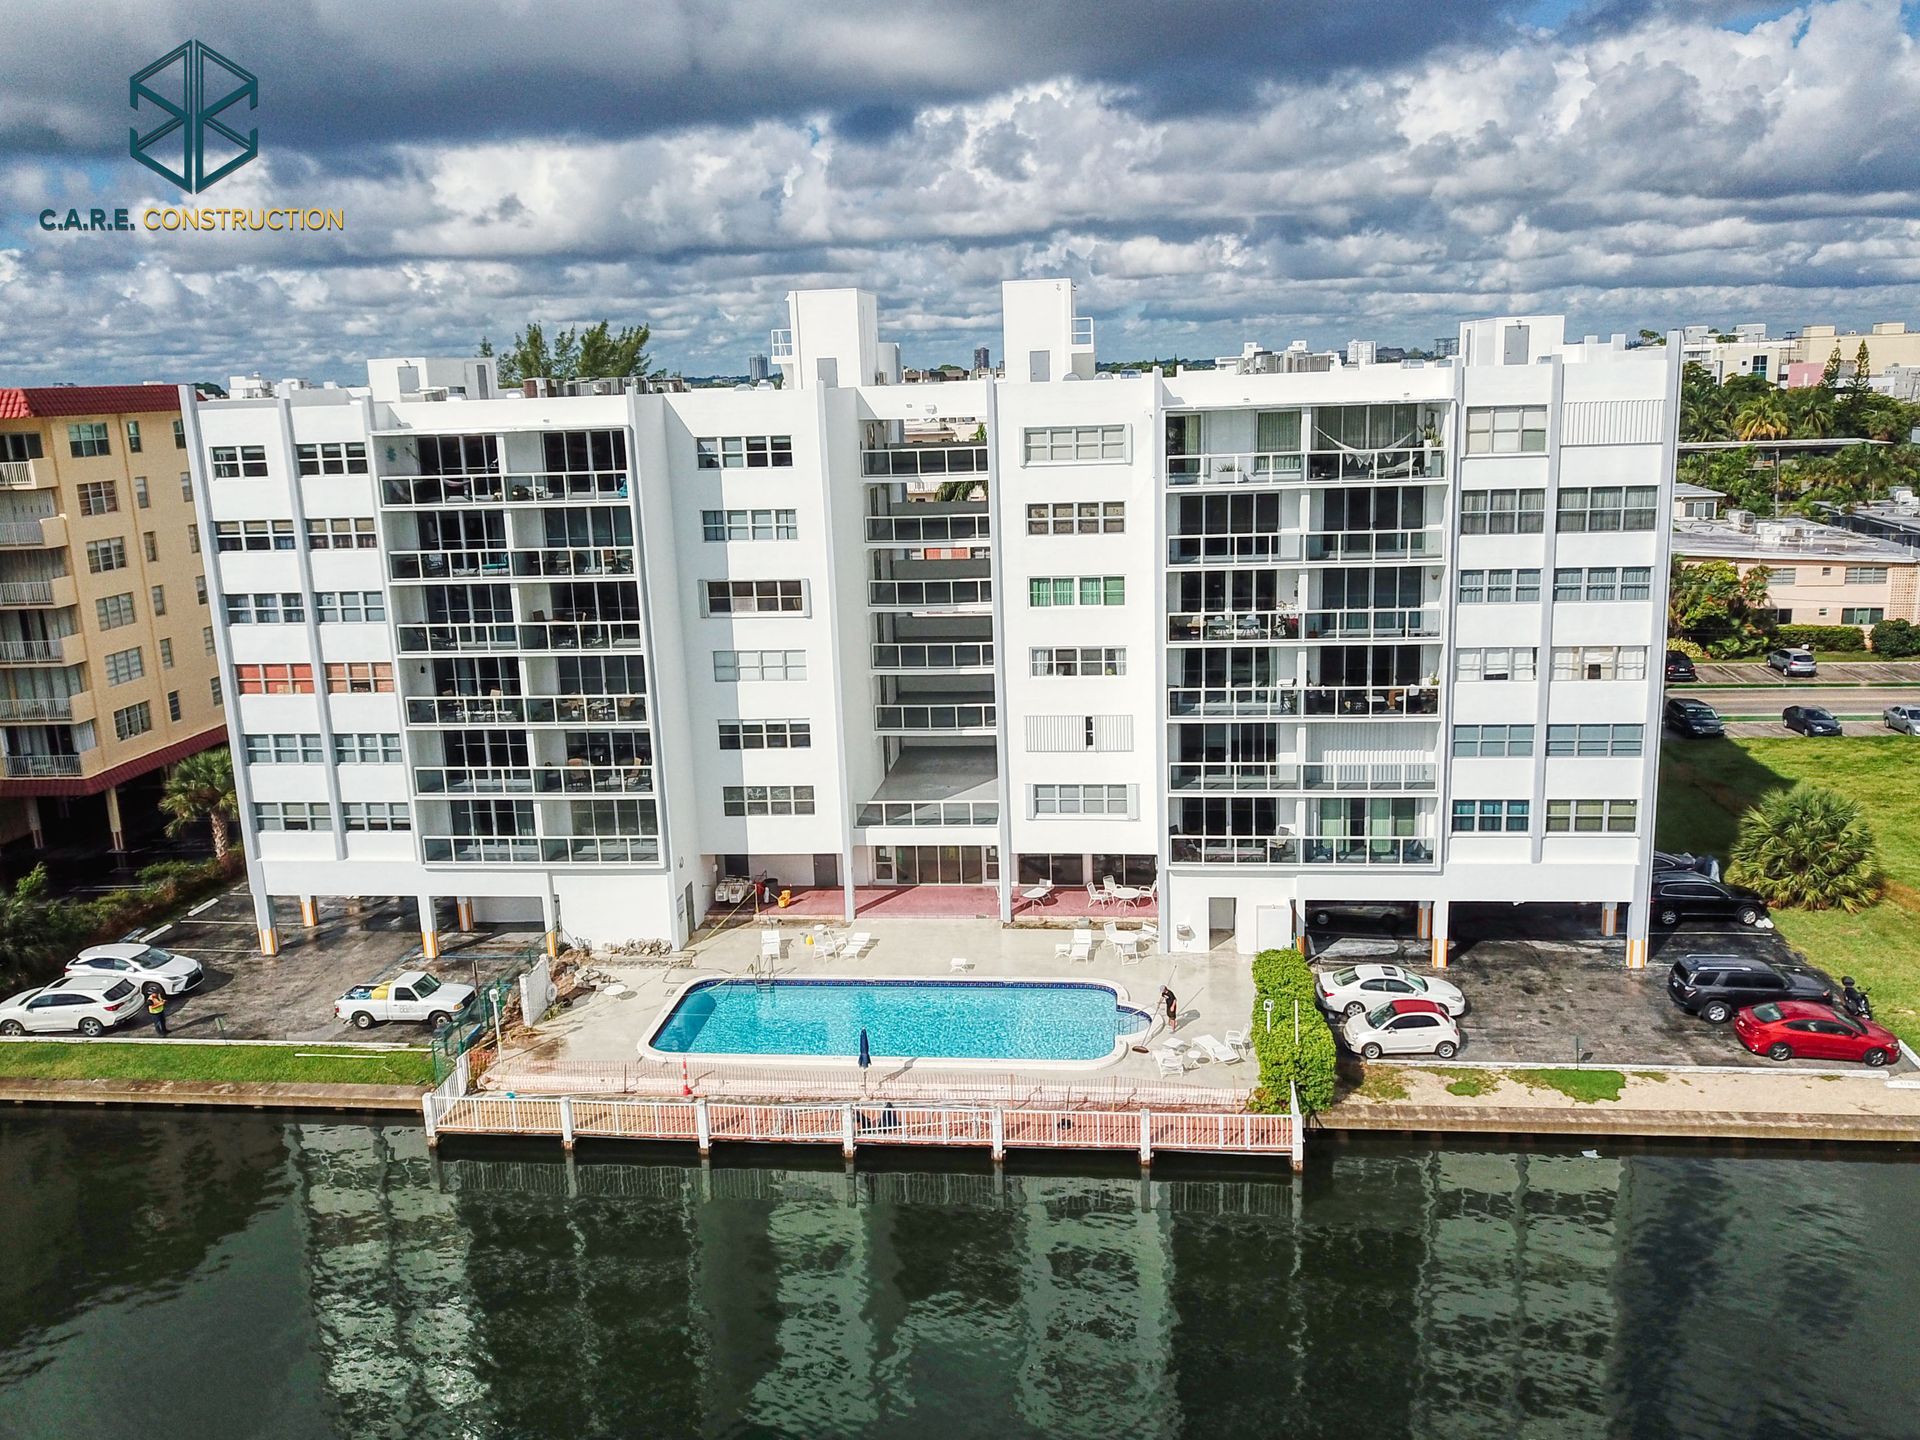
1172,1007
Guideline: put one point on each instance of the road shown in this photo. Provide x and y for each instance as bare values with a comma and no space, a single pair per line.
1860,700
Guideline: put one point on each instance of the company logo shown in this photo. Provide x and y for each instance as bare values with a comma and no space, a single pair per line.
201,87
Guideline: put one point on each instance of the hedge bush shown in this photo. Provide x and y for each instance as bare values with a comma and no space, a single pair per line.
1896,639
40,932
1284,977
1821,637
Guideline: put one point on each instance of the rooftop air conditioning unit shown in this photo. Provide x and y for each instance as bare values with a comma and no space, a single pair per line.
433,392
1741,520
537,387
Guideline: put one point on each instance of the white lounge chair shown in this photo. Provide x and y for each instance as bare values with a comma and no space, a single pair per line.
959,966
1080,950
1241,1042
1214,1049
770,944
856,942
1171,1062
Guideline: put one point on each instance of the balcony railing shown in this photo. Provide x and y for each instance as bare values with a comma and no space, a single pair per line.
921,461
531,850
929,594
1261,776
1403,463
18,475
934,719
31,652
593,562
440,639
37,709
1258,850
1373,544
530,487
937,656
26,592
1192,625
1371,624
1354,700
42,767
929,812
472,710
1268,548
22,532
926,529
547,635
535,780
1244,468
1251,702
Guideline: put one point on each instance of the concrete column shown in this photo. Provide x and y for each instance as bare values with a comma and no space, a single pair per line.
1438,922
566,1122
550,917
309,911
463,907
1638,919
263,922
998,1122
1423,920
846,1131
429,930
702,1132
1610,918
1146,1137
34,825
113,819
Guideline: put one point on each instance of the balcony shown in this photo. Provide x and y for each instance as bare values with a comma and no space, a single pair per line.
1336,545
936,786
43,767
1241,468
535,487
593,562
1272,547
28,534
908,813
67,650
1352,701
484,710
1240,702
1245,776
915,462
1188,627
935,719
24,475
780,346
19,593
927,529
941,655
27,712
1372,624
1287,850
1403,463
929,594
535,850
589,635
569,779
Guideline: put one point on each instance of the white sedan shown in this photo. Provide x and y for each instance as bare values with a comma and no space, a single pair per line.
1402,1027
148,966
91,1004
1360,988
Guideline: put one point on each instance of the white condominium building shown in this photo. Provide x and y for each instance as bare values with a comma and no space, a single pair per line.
1249,640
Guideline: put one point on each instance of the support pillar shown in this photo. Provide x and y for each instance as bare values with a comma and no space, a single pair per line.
702,1127
550,917
846,1131
1146,1137
113,819
1439,918
429,930
263,923
998,1131
1638,918
309,911
566,1122
463,908
1610,918
1423,920
34,826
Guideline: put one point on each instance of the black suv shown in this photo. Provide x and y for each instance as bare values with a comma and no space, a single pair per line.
1714,986
1692,717
1679,895
1679,665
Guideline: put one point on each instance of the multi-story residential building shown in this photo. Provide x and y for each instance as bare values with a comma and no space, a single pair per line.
1800,357
1816,574
107,669
1253,640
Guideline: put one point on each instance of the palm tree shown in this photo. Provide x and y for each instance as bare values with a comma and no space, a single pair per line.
1808,848
1813,412
200,788
1761,418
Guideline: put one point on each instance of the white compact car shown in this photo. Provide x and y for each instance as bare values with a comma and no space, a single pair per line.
148,966
1360,988
91,1004
1402,1027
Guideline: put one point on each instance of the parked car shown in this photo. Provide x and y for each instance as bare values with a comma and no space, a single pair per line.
91,1004
1809,720
1905,718
1793,662
1715,986
1692,717
410,995
1705,865
1320,916
1359,988
148,966
1805,1030
1678,897
1680,666
1402,1027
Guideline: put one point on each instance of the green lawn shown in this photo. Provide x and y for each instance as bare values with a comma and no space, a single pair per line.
1704,786
106,1059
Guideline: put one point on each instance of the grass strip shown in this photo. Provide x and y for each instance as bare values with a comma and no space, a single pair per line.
1583,1087
239,1064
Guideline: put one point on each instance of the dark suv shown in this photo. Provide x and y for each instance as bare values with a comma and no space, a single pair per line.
1680,666
1692,717
1679,895
1715,986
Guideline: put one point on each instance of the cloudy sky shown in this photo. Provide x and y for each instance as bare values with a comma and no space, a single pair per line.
1208,171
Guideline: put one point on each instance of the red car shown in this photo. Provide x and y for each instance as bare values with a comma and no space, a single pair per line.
1804,1029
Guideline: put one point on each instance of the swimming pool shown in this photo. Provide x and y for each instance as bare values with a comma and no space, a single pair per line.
963,1020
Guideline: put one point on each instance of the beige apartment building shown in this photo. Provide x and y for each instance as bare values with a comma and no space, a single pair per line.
107,666
1816,574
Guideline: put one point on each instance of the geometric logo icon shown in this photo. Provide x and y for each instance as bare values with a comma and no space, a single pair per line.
201,86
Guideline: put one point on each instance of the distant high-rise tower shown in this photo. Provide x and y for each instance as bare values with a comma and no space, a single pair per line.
982,358
757,369
1359,352
1446,345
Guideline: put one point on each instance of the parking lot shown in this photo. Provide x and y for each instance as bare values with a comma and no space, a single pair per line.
290,996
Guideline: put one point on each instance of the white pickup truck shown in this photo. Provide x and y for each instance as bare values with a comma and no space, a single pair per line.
410,995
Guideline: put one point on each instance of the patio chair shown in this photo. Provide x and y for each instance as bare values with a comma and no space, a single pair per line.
1107,885
959,966
1171,1062
1062,950
1241,1042
770,944
1097,897
1080,949
1212,1047
856,942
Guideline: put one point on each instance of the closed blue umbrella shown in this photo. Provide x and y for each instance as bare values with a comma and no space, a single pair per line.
866,1050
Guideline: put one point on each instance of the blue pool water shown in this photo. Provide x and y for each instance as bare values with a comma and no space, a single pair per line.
922,1019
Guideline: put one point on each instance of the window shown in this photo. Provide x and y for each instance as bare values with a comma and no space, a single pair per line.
1604,582
173,704
284,750
206,638
20,445
1492,740
114,611
1599,662
166,654
200,588
332,458
755,597
293,815
1862,614
759,664
105,555
186,485
273,679
1075,443
332,605
133,720
233,462
99,497
88,438
1495,663
150,544
193,539
125,665
1608,507
725,525
1502,512
159,597
1082,800
286,607
366,749
1507,430
1592,817
744,452
141,498
213,686
342,534
376,815
766,735
1780,575
133,437
1088,517
253,534
1490,817
1499,587
1079,660
1061,590
1866,575
1593,741
767,800
180,436
360,678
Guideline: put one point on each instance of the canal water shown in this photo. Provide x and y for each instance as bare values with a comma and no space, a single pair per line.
230,1275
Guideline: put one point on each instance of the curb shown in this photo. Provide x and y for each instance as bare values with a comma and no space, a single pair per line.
1592,1120
402,1099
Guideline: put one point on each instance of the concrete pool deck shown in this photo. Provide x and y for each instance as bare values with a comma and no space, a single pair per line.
1215,994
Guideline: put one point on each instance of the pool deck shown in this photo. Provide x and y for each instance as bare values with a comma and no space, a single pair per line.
599,1037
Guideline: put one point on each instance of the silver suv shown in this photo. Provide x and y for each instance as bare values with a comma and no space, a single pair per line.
1793,662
